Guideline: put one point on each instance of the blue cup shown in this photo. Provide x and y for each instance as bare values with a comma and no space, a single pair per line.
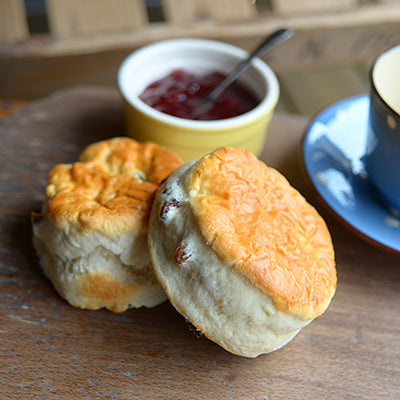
382,159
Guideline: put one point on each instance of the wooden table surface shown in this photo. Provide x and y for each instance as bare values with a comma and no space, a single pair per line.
50,350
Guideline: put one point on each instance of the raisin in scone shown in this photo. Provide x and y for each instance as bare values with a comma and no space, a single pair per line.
239,252
91,237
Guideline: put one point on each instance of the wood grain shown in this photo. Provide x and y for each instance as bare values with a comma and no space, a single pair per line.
9,106
13,21
311,91
50,350
77,18
285,6
188,12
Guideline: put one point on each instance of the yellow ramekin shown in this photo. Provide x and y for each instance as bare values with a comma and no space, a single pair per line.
192,138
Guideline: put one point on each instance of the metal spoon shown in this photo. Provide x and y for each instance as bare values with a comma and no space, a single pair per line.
268,44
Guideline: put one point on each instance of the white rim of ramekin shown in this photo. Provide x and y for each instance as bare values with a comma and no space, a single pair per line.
267,103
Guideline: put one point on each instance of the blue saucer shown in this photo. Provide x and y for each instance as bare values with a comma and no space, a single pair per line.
332,151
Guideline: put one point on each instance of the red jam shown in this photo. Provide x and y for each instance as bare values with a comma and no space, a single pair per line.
182,94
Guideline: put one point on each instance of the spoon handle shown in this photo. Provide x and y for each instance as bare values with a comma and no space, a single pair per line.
269,43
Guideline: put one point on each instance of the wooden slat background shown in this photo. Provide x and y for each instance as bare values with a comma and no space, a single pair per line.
76,18
311,5
328,58
178,12
13,21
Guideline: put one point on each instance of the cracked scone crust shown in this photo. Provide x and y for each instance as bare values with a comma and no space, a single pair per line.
92,234
247,261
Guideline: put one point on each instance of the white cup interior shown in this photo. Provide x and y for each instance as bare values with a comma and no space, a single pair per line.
386,77
199,56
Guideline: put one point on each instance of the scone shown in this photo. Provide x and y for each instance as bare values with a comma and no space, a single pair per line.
91,236
239,252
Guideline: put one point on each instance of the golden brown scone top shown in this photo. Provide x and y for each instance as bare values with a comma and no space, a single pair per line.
254,219
111,188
